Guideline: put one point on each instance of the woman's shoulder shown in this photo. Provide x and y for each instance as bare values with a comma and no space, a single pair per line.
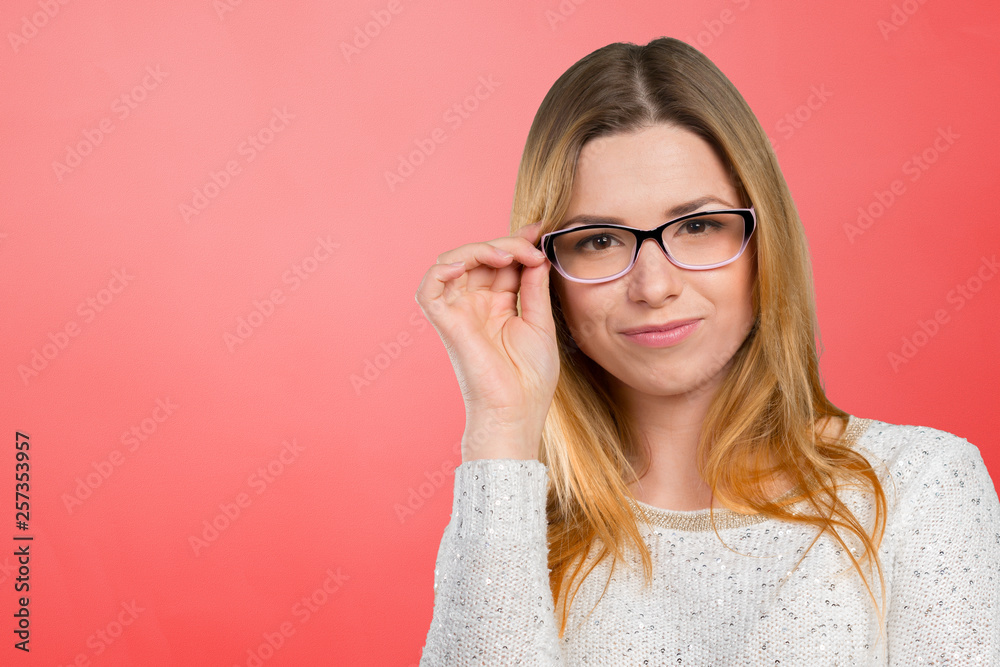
907,453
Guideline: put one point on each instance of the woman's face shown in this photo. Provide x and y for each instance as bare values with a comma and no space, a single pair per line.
643,179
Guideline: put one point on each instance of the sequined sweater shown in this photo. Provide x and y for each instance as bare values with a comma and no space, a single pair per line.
732,598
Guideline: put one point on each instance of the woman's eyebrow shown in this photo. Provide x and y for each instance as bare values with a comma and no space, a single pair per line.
673,212
695,204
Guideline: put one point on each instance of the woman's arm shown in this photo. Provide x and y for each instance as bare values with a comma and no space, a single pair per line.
945,605
492,601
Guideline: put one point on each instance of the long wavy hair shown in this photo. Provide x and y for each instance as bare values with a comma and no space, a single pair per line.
772,398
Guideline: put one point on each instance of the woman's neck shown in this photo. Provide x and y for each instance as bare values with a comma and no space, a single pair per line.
672,480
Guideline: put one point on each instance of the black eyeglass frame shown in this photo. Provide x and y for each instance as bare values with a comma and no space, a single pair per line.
749,221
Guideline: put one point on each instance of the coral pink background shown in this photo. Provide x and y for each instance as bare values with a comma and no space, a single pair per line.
201,254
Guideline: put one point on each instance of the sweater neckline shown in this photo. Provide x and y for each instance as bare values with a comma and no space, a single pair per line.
701,520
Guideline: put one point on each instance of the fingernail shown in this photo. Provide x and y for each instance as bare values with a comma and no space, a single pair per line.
504,253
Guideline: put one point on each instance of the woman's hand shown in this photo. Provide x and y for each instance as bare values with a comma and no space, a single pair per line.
507,366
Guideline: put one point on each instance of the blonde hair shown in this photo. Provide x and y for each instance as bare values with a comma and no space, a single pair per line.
772,397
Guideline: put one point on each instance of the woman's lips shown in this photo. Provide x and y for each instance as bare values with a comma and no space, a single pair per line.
664,338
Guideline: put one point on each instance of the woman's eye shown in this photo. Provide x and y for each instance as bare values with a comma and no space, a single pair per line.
602,241
698,226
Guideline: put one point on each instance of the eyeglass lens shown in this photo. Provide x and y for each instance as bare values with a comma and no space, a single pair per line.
595,253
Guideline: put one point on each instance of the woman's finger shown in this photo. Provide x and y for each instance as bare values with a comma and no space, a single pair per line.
536,302
520,247
510,281
432,286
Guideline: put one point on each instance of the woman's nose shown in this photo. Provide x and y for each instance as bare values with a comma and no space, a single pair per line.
653,276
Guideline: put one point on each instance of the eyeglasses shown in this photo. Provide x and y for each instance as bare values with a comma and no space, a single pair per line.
699,241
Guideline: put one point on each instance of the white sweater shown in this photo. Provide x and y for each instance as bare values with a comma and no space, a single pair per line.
711,606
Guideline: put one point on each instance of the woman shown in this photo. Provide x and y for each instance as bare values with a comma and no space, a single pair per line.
652,473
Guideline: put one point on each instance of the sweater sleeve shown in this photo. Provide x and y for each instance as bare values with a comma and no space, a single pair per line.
945,603
492,601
